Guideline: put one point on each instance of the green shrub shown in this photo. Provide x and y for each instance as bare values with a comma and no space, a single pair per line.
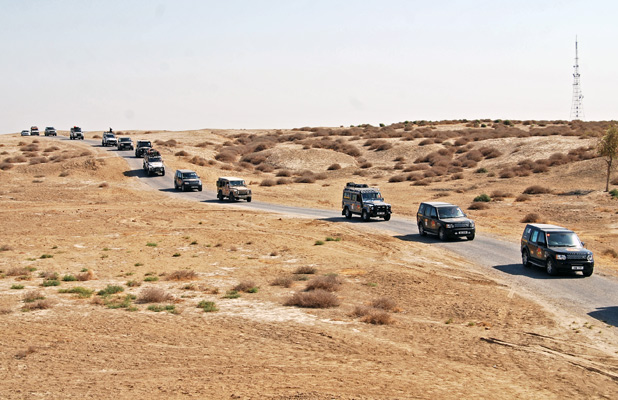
176,255
69,278
318,243
51,282
79,290
483,197
332,239
232,294
133,283
158,308
110,289
47,256
481,171
614,193
207,306
151,278
151,244
17,287
120,302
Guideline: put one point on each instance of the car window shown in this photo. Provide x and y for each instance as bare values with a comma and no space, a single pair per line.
450,212
432,212
534,236
527,232
421,209
541,239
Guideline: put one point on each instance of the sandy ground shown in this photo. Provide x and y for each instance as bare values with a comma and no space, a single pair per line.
453,333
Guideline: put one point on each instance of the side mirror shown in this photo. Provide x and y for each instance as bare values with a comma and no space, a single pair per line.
583,244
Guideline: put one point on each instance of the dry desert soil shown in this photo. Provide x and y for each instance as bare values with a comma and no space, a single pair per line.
112,289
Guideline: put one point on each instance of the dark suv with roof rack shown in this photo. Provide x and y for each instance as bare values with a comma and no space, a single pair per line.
556,249
445,220
359,198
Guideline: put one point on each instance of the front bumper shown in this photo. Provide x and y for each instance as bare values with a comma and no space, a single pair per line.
574,265
125,146
379,211
459,232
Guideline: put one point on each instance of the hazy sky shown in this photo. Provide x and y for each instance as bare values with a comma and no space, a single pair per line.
181,64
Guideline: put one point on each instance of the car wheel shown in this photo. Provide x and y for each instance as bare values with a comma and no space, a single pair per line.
248,199
220,196
588,272
525,260
442,234
470,237
163,173
231,197
199,189
421,230
551,268
387,217
348,213
175,186
365,216
184,188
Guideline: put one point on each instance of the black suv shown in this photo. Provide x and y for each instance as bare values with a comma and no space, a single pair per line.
141,147
556,249
186,179
445,220
359,198
125,143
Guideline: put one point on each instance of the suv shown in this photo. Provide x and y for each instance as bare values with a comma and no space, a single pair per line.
141,147
153,163
445,220
186,179
367,202
233,189
34,131
125,143
76,133
109,139
50,131
25,132
556,249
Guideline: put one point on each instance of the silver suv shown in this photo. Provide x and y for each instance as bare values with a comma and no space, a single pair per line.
233,188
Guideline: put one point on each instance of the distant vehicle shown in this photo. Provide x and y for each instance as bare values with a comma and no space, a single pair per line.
556,249
365,201
141,147
185,179
76,133
445,220
34,131
125,143
153,164
109,139
233,188
25,132
50,131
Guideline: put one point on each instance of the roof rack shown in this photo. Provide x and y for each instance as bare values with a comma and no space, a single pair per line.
357,185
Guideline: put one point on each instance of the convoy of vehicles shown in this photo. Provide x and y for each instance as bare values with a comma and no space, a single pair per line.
185,179
445,220
233,188
50,131
365,201
556,249
125,143
76,133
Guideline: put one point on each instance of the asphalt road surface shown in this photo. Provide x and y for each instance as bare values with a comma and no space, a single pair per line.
596,296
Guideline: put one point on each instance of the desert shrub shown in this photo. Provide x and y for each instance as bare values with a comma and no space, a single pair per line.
614,181
5,165
79,291
198,161
540,168
384,303
85,276
207,306
284,173
490,152
284,281
226,156
531,217
246,286
17,287
378,317
31,296
478,205
133,283
313,299
18,271
305,179
397,178
330,283
151,278
425,142
231,294
159,308
506,173
181,153
50,282
500,194
109,290
283,181
366,164
482,197
614,193
69,278
305,269
153,295
536,189
268,182
522,197
182,275
38,305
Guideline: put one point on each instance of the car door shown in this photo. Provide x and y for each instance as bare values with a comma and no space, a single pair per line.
430,219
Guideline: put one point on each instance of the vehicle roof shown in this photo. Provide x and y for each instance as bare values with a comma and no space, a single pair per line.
549,227
184,171
230,178
439,204
125,138
143,141
353,189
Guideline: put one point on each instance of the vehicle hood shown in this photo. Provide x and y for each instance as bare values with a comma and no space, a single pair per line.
456,220
377,203
570,250
156,164
239,188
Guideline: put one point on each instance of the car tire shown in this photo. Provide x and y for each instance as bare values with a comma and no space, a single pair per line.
184,188
220,196
175,186
163,173
442,234
550,267
248,199
199,189
365,216
387,217
470,237
421,230
587,273
347,213
232,198
525,259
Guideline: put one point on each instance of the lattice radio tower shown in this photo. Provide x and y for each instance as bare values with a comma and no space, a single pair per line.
577,107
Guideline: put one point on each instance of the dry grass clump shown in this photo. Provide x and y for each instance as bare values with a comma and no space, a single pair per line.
268,182
246,286
182,275
284,172
334,167
314,299
15,160
531,217
167,143
85,276
478,205
38,305
522,197
306,178
384,303
5,165
5,247
397,178
197,160
378,317
283,181
32,296
154,295
536,189
330,283
181,153
17,271
283,281
306,270
500,194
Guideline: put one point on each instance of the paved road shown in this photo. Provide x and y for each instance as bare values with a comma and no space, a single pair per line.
596,296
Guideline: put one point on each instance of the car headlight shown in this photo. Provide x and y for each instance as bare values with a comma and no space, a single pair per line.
449,226
589,258
560,257
471,224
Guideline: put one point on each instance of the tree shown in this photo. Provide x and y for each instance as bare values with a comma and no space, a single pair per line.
608,148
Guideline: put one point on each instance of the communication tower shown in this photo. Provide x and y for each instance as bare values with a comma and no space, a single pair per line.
577,107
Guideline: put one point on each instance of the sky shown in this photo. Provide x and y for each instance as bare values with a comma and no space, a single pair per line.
182,64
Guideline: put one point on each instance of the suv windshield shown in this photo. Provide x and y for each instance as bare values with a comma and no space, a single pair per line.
372,196
189,175
141,143
237,183
125,139
563,239
450,212
154,159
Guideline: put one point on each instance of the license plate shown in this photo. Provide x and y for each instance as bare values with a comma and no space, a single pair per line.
381,212
463,232
577,267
